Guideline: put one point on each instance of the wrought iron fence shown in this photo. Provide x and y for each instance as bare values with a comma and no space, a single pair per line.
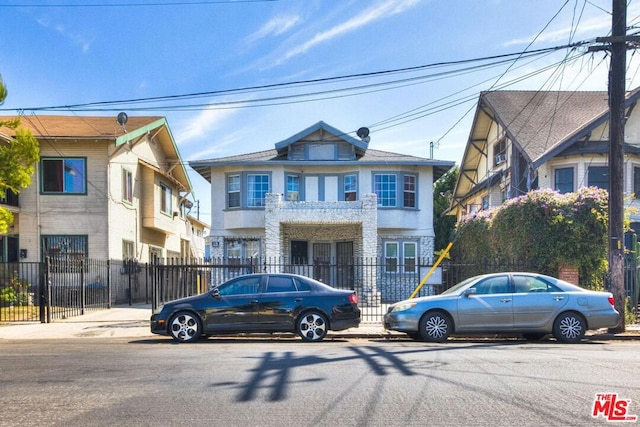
53,290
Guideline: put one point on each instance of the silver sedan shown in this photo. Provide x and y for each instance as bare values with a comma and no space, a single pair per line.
533,305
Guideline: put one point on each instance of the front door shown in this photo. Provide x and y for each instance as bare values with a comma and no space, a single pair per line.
344,260
322,262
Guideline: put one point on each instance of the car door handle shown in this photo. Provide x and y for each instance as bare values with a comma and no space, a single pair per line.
299,299
255,301
558,298
506,300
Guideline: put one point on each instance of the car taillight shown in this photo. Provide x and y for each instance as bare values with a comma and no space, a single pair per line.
353,298
611,300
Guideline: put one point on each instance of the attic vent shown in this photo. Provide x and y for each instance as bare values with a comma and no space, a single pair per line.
500,158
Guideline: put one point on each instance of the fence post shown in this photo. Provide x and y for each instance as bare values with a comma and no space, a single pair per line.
83,293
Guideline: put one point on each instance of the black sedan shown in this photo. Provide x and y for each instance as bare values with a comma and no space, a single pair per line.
260,303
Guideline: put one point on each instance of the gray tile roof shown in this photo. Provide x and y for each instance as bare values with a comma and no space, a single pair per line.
539,121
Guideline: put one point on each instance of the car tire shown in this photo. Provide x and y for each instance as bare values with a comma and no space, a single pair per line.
569,327
185,326
312,326
435,326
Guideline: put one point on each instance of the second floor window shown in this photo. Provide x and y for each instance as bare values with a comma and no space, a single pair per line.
64,176
233,191
127,186
257,189
350,188
293,187
409,191
165,199
385,188
636,181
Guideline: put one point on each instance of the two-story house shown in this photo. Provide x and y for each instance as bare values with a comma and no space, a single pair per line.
323,199
103,189
525,140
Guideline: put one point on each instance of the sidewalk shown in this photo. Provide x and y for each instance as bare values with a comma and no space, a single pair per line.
133,322
124,322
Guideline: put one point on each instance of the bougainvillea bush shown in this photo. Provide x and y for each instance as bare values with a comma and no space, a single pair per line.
543,230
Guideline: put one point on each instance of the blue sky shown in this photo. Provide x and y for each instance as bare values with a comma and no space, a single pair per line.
58,53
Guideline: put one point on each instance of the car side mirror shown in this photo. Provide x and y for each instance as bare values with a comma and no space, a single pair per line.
215,293
470,291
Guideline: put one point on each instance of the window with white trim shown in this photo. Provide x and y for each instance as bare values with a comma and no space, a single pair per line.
400,256
293,188
127,186
350,187
165,199
257,189
233,191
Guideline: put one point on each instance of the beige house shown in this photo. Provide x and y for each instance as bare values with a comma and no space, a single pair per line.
322,198
103,189
526,140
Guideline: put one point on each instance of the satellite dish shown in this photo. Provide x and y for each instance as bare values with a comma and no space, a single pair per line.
122,118
363,133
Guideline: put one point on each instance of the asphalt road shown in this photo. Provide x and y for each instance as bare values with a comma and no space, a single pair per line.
286,382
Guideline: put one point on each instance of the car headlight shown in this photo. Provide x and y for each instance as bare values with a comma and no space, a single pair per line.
403,306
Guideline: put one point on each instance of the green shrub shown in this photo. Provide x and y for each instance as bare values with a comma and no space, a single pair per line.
542,229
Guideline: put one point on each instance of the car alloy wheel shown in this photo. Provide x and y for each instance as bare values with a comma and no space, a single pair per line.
185,327
569,328
312,326
435,327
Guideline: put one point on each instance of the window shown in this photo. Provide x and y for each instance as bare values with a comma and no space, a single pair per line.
529,284
233,191
563,180
165,199
350,188
485,203
386,188
598,176
493,285
127,186
65,252
257,189
384,185
500,152
128,250
391,257
293,187
240,286
409,191
409,257
244,253
67,176
636,182
400,256
280,284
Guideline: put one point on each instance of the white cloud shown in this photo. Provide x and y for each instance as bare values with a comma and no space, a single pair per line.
275,26
375,13
75,38
202,125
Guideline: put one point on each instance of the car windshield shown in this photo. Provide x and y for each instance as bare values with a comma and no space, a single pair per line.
456,288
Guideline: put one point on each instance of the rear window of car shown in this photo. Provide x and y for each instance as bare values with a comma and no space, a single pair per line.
530,284
280,284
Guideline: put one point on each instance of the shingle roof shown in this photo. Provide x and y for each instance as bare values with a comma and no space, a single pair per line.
538,121
53,126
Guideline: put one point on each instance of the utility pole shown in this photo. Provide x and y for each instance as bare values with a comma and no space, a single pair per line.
618,48
616,157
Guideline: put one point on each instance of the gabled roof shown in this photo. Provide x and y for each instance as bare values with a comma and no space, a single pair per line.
278,156
541,124
86,128
282,146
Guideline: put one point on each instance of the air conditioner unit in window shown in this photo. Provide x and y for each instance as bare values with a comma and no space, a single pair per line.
500,158
292,195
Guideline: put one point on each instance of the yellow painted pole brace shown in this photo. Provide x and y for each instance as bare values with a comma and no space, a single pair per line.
433,268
